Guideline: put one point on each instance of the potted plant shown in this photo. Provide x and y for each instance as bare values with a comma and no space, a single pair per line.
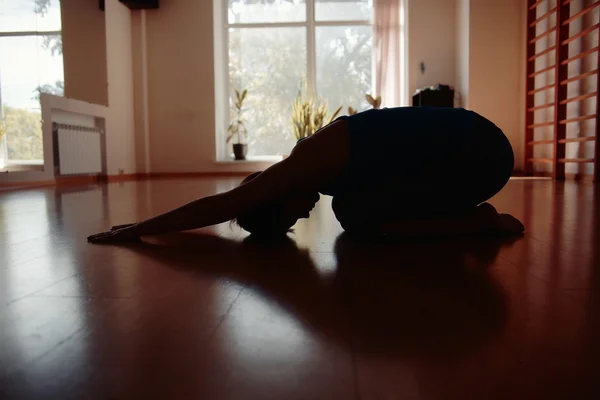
237,128
309,114
375,102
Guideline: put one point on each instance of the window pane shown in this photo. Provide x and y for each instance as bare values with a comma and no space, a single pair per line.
29,15
344,65
24,134
269,62
343,10
27,65
261,11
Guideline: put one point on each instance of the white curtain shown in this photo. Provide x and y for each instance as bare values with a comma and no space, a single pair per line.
387,51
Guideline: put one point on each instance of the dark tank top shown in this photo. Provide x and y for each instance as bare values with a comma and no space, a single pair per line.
407,143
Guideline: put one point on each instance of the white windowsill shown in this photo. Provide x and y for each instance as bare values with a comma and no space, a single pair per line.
22,167
252,160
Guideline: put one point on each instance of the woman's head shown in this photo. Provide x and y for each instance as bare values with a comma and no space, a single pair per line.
278,217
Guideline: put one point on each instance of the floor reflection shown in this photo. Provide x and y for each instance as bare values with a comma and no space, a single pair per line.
431,299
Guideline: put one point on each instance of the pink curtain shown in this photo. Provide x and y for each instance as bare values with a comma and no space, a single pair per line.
387,51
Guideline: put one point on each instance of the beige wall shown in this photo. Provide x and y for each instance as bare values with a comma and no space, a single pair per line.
161,118
477,46
462,52
172,98
84,51
140,91
120,126
496,57
180,76
181,86
431,39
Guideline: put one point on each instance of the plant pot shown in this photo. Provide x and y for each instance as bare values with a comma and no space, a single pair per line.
240,151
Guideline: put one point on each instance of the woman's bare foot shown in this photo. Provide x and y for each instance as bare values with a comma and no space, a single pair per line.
499,223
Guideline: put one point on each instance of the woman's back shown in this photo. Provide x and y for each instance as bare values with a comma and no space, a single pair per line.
413,144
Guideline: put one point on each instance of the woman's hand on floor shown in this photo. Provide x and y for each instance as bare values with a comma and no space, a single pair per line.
122,233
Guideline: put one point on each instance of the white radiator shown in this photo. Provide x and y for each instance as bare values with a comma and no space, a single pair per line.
78,150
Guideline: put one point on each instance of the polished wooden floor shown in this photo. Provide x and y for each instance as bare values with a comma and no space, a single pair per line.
212,315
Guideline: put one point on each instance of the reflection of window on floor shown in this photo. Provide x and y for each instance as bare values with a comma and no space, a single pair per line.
30,62
273,44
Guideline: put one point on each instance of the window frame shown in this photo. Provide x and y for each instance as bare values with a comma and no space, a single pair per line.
3,142
222,59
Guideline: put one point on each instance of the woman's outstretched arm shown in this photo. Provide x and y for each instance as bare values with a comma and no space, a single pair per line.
313,163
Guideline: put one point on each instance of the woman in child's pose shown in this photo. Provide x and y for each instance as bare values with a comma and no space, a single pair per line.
410,171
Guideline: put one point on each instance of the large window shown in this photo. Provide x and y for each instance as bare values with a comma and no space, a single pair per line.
274,44
30,62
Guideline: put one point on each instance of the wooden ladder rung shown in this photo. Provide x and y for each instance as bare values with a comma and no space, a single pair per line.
580,55
537,3
541,89
576,160
578,140
580,13
541,71
543,35
539,142
542,53
580,34
579,98
541,107
540,160
540,124
579,77
577,119
546,15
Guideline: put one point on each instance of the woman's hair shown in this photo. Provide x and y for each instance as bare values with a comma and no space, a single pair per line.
264,221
